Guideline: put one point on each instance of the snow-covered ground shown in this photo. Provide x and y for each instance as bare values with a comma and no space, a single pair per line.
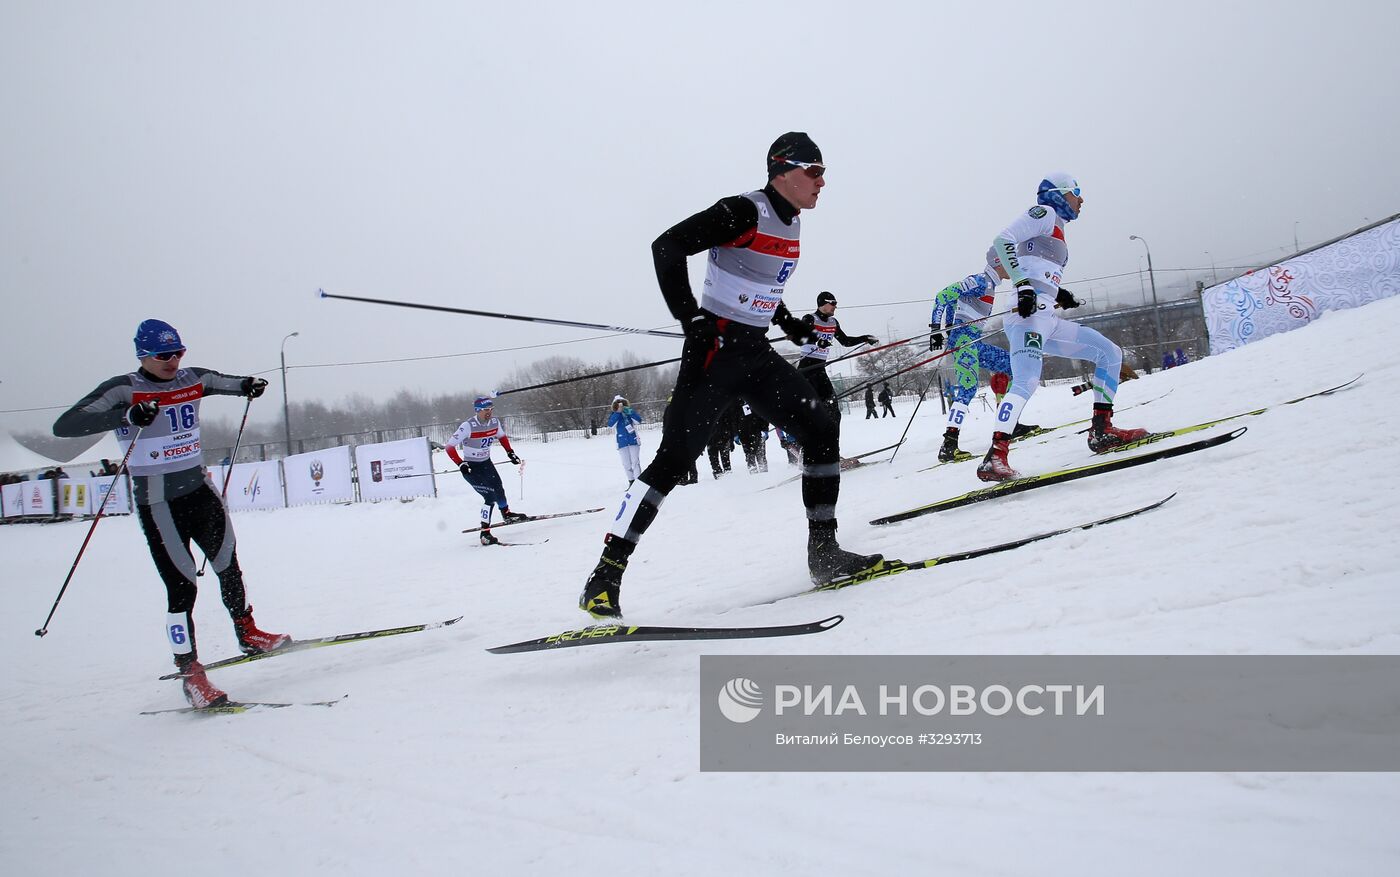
449,760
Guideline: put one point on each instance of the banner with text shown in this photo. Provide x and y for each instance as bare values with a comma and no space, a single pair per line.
394,470
254,486
118,501
37,497
12,499
1050,713
75,496
320,476
1346,274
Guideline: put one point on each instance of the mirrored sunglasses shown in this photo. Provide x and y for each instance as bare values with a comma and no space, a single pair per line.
813,169
1074,191
166,357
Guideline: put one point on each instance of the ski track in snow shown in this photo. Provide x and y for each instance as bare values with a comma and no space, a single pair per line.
446,759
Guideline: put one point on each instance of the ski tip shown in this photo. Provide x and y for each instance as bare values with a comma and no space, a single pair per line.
321,293
829,623
452,621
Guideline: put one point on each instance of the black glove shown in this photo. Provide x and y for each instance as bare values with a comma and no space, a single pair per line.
935,341
1025,300
799,332
701,327
253,387
514,457
142,413
465,469
871,339
1065,300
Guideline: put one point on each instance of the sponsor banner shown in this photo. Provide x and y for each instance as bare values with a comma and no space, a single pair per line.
1050,713
115,502
320,476
393,470
12,499
37,498
75,496
253,485
1346,274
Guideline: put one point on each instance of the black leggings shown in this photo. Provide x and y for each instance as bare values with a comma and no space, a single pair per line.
746,367
169,527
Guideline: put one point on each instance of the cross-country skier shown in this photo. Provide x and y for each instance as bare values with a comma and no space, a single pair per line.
157,407
629,447
475,437
823,330
958,305
1033,252
753,247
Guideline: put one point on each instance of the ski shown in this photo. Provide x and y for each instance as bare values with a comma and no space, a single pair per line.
847,463
514,544
301,645
530,518
599,634
888,568
1031,482
234,707
1153,438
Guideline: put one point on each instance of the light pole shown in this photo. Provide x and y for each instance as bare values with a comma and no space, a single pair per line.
286,418
1296,248
1156,309
1215,278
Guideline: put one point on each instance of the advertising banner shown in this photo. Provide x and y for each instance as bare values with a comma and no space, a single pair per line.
253,486
37,497
75,496
12,499
320,476
1346,274
394,470
118,502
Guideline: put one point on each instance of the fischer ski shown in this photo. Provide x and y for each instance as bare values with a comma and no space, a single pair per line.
896,567
599,634
530,518
234,707
1031,482
301,645
1153,438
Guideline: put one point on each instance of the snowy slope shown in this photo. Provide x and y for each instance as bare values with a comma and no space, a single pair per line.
446,759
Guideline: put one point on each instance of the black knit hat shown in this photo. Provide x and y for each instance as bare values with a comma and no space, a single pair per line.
792,146
825,298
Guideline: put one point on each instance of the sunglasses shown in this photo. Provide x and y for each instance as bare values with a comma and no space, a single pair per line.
1074,191
166,357
813,169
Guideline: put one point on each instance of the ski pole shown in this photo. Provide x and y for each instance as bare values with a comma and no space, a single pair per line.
500,316
121,470
228,473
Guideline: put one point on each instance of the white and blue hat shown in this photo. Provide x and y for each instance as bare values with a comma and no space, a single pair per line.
1052,193
156,336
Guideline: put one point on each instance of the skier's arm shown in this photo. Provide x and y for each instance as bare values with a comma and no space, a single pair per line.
726,222
103,409
219,384
1023,227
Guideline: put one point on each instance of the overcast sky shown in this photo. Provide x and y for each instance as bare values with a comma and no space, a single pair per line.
214,164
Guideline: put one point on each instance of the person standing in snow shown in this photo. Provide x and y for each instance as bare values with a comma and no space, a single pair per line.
157,408
1033,252
887,400
629,447
474,439
870,403
963,305
753,244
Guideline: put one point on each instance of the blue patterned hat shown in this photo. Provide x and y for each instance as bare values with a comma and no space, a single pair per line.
156,336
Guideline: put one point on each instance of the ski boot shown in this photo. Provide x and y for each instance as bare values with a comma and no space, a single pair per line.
602,593
514,517
1021,430
827,560
1104,436
199,691
949,452
487,538
253,641
994,466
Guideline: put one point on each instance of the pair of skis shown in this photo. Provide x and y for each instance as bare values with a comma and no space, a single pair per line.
528,519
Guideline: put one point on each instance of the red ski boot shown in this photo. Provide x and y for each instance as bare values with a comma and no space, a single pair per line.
1104,436
199,691
253,641
994,466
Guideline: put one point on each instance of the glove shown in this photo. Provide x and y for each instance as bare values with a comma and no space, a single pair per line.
142,413
253,387
935,341
797,331
465,469
1025,300
514,457
701,327
1065,300
871,339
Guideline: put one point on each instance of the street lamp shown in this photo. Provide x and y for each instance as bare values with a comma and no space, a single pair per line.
1156,308
1215,278
1296,248
286,418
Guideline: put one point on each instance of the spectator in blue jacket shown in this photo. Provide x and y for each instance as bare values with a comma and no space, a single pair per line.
624,420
